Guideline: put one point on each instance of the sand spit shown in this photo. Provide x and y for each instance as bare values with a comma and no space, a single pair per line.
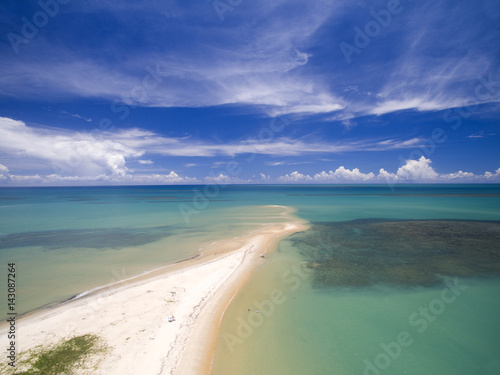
132,318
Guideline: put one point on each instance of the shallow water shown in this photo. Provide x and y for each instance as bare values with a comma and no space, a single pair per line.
339,330
376,295
66,241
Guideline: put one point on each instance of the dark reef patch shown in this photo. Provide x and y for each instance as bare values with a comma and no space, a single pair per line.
98,238
399,253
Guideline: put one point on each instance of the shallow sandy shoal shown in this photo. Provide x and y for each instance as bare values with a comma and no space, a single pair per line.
132,318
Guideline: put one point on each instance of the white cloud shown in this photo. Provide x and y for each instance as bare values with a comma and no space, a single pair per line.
260,81
480,134
419,80
262,58
386,176
90,154
412,171
458,175
20,178
342,174
419,103
351,89
244,64
280,146
419,170
448,79
295,177
222,179
54,179
348,124
72,153
87,119
83,157
276,163
491,176
171,178
76,179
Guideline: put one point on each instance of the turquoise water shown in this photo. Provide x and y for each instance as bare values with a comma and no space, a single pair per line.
67,241
383,313
345,332
344,320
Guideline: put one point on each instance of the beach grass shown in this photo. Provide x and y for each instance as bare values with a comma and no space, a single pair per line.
65,357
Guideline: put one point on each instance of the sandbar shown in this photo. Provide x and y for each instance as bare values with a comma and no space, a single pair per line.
132,317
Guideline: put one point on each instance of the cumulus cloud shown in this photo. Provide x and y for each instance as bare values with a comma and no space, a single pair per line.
386,176
412,171
295,177
458,175
222,179
419,170
3,169
343,174
145,162
491,176
171,178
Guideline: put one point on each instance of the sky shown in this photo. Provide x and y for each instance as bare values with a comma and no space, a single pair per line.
237,91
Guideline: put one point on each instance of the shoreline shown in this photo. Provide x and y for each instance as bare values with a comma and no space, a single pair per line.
219,305
131,315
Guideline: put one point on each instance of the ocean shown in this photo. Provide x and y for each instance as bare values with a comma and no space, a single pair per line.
388,279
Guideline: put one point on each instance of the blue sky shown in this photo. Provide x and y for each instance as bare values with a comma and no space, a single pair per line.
233,91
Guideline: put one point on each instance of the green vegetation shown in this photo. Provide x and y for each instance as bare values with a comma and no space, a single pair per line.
76,353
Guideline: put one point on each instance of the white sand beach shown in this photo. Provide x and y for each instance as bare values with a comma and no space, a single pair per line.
132,318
